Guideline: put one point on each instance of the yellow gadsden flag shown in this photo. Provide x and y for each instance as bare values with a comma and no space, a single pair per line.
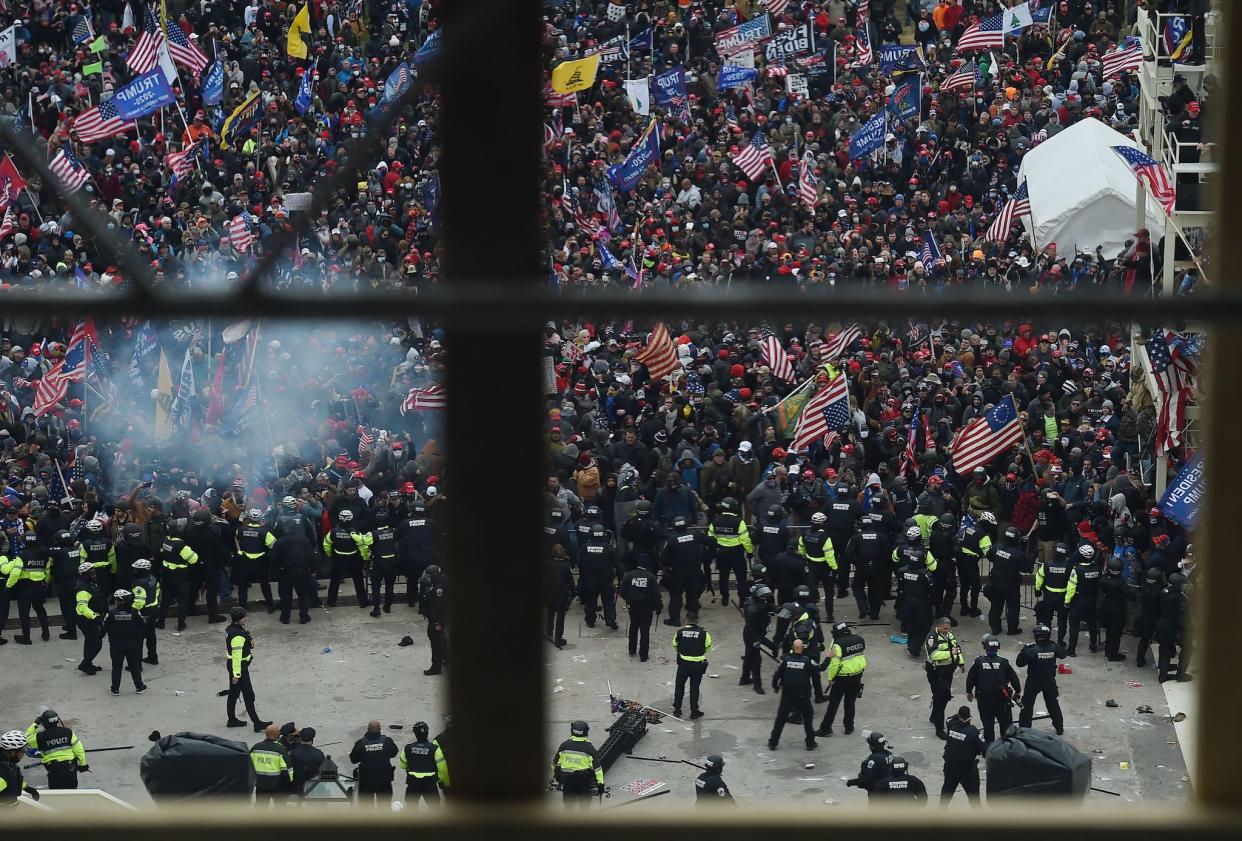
296,45
574,76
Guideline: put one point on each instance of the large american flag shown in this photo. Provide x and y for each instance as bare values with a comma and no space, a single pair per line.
777,7
55,383
1174,369
1127,56
987,34
184,51
1014,209
807,182
987,436
775,357
866,55
967,76
431,398
9,225
69,169
909,457
100,123
240,236
182,163
827,411
754,157
146,52
1151,173
659,355
837,345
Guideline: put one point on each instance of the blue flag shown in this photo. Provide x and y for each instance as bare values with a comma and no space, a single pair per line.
429,50
145,94
644,40
213,83
646,151
930,253
899,57
305,90
1184,496
732,76
870,137
670,93
610,262
903,102
1042,15
398,82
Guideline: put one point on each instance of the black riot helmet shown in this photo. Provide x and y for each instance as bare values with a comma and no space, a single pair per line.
947,520
597,531
714,764
557,515
728,504
900,766
776,513
579,728
643,508
1176,580
802,594
1043,632
680,523
841,629
1114,566
876,740
1012,535
991,643
758,570
1155,576
592,512
421,730
132,533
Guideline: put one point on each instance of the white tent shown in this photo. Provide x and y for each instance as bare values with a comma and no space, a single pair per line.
1082,193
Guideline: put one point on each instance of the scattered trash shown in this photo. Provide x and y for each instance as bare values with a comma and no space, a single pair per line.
1124,766
1134,684
733,667
327,649
1097,752
560,680
1063,669
396,727
154,736
1111,703
809,765
1178,719
405,641
176,633
386,654
915,697
830,803
580,683
1144,708
178,692
714,676
556,689
69,659
898,639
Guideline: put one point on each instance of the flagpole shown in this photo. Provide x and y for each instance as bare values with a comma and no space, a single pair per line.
809,381
267,423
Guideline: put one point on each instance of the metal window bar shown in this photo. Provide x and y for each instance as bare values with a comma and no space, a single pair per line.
496,685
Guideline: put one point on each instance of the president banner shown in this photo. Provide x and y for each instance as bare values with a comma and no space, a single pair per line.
145,94
903,102
1184,496
625,176
868,138
747,36
670,93
735,77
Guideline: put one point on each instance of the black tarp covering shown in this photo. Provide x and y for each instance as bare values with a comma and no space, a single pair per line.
188,765
1027,762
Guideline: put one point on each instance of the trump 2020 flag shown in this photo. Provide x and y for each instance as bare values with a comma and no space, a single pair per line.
732,76
213,83
626,175
305,94
868,138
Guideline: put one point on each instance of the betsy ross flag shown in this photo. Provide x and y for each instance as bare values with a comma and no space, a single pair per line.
987,34
55,383
69,169
146,52
754,157
100,123
1127,56
837,344
967,76
1017,207
184,51
827,411
430,398
1174,369
775,357
240,236
986,437
1152,174
659,355
807,182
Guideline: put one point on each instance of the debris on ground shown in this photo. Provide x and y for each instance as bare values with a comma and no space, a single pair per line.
898,639
405,641
1177,719
327,649
619,704
1144,708
1063,669
1111,703
1134,684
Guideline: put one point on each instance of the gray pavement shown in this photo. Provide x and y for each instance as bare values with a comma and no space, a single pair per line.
367,675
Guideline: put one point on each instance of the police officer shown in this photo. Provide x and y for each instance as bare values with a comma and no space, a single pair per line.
1083,595
845,666
756,617
789,572
993,683
27,584
641,534
59,748
253,541
876,767
1149,613
9,561
576,767
431,600
792,679
417,538
692,643
684,557
238,654
943,656
418,760
709,787
641,592
273,773
915,589
90,607
806,627
556,541
842,513
974,545
384,553
942,544
815,545
900,784
732,538
146,590
203,537
1113,596
962,748
1005,584
123,626
1040,659
870,552
97,550
590,516
12,784
373,754
772,536
130,548
597,568
294,556
558,582
346,546
1172,631
1052,581
305,758
176,559
65,570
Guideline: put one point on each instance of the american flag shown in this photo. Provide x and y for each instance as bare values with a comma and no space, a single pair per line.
807,182
731,118
1152,174
864,8
586,224
777,71
365,440
987,34
1017,207
838,344
100,123
909,458
1127,56
1174,370
827,411
9,225
240,236
184,51
930,253
862,43
775,357
55,383
606,205
777,7
146,52
430,398
658,355
69,169
967,76
558,100
754,157
182,163
986,437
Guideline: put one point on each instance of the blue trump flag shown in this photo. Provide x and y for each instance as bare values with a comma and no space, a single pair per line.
899,57
429,50
145,94
624,176
305,92
398,81
609,261
1184,496
903,102
1042,15
732,76
670,92
870,137
213,83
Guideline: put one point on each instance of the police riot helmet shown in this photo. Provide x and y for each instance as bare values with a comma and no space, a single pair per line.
714,764
592,512
758,570
431,571
254,515
1155,575
776,513
202,515
289,502
841,629
557,514
914,533
177,525
420,729
85,568
13,740
680,523
1062,550
910,521
122,595
1042,632
49,717
347,516
141,564
876,740
597,531
762,591
802,594
990,642
94,526
237,612
579,728
1114,565
819,518
643,508
900,766
381,516
924,506
728,504
1087,552
947,519
1176,580
988,517
1013,535
64,538
132,532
